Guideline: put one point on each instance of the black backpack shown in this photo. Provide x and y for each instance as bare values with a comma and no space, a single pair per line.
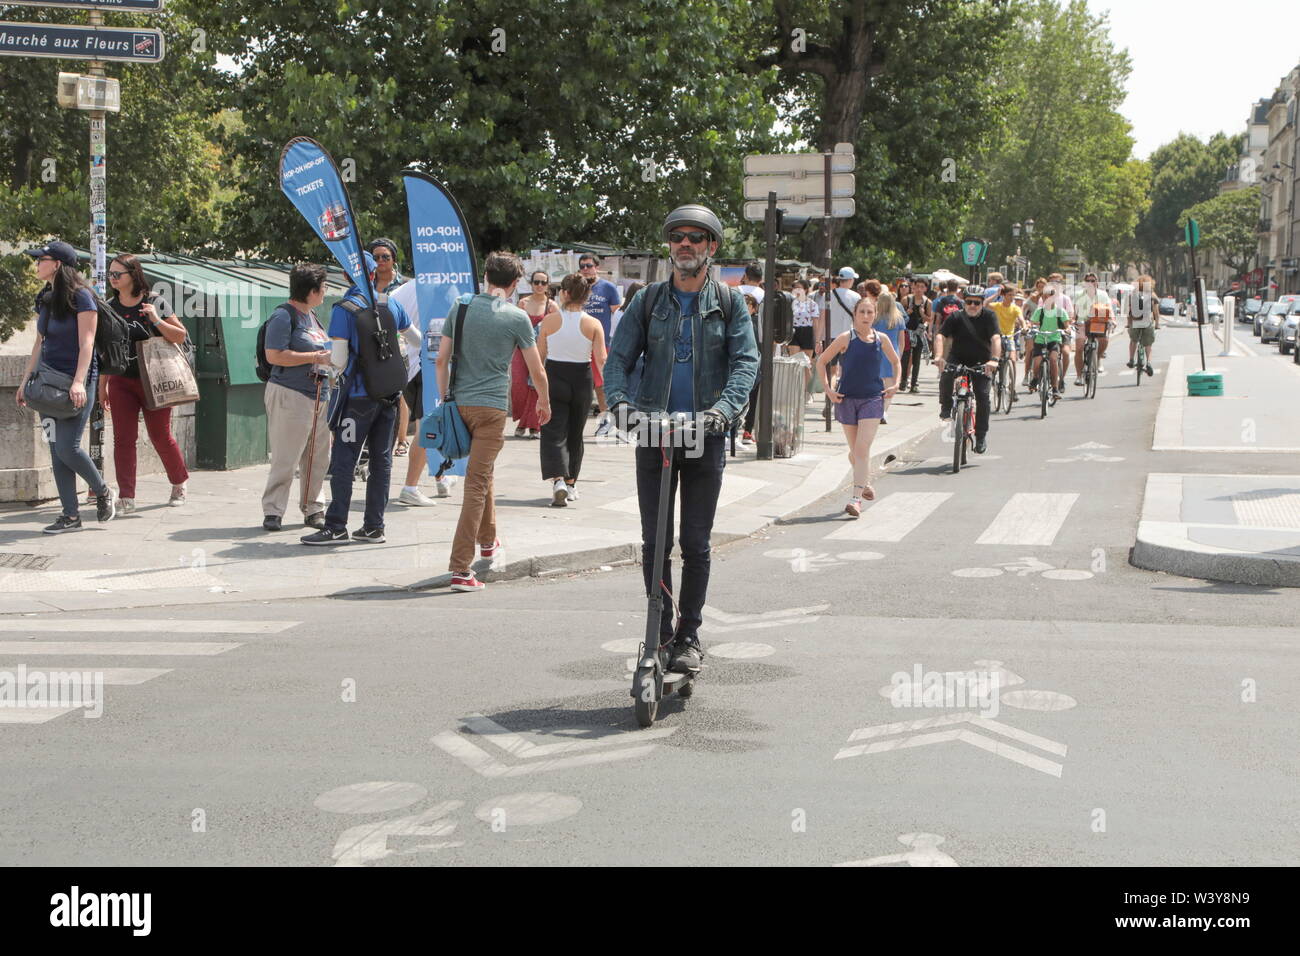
379,351
263,366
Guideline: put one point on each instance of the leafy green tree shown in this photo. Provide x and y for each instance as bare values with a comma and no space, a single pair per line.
905,81
162,167
1184,172
1063,158
578,120
1228,223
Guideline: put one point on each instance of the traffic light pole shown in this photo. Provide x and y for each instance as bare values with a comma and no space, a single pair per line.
771,227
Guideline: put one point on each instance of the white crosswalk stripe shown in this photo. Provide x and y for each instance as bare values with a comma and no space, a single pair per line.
893,517
32,693
1029,518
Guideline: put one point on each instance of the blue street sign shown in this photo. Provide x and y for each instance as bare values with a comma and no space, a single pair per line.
62,42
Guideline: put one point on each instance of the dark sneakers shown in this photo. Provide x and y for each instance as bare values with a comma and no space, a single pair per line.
326,537
315,521
685,655
105,508
981,445
373,535
64,524
271,523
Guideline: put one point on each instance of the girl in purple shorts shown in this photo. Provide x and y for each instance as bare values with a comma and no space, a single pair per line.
860,393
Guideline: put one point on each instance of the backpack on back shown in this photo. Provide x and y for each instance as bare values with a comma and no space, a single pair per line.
112,339
379,349
263,366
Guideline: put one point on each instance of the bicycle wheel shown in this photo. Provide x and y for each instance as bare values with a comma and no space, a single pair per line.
1090,374
1044,390
958,433
999,387
1141,356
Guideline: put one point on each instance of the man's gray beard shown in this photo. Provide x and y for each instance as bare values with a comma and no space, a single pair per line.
682,270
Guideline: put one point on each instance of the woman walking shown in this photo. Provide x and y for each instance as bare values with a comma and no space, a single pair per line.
65,342
571,343
147,315
861,392
523,397
297,401
805,312
919,319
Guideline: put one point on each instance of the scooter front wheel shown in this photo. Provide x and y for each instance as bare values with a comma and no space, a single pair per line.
645,696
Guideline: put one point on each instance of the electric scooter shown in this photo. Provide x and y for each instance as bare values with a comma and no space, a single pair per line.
653,680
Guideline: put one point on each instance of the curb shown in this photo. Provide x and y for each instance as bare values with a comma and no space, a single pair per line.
1160,549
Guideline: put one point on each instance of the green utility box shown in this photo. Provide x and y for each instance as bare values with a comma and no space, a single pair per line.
1205,383
223,304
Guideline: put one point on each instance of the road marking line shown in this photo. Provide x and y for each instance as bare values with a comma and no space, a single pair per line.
517,746
41,625
116,648
33,715
893,517
483,763
112,676
1029,518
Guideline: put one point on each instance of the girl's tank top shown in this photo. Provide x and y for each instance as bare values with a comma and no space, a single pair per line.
567,343
860,368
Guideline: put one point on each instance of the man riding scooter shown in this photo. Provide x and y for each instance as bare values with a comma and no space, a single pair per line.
701,360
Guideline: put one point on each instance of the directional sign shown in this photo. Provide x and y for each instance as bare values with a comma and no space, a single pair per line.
1192,233
121,44
843,186
973,251
816,209
121,6
780,164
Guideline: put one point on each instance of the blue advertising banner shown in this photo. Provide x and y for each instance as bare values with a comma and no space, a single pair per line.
312,182
444,269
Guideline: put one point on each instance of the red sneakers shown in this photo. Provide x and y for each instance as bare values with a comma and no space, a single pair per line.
465,581
490,551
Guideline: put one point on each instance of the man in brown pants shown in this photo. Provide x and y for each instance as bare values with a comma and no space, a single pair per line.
492,330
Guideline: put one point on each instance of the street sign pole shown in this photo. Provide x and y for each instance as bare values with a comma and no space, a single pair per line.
98,237
826,174
771,226
1192,233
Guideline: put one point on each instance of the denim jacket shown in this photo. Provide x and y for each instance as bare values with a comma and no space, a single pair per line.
725,354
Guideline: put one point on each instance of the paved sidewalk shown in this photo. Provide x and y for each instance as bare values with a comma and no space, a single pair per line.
214,550
1237,523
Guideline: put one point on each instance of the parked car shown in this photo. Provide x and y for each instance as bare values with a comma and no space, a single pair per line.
1272,324
1250,308
1286,337
1213,306
1168,306
1258,322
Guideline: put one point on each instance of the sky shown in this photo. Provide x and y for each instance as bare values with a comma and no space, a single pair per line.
1199,65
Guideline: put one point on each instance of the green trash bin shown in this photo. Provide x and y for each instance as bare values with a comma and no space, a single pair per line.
1205,383
223,304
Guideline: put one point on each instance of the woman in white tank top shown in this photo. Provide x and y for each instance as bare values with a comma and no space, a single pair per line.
568,342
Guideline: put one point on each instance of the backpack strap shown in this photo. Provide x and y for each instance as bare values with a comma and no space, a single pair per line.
457,325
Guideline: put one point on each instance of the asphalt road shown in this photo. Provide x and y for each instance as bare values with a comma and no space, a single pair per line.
1142,718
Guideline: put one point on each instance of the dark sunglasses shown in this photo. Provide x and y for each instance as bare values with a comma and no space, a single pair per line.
117,274
538,281
695,238
974,301
45,259
587,265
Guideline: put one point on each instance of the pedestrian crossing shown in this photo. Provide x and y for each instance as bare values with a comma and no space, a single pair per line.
40,675
1028,519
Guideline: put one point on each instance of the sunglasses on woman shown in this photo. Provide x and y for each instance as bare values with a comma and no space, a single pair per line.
538,281
117,274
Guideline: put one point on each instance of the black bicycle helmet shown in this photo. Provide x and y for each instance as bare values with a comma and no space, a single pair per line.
693,215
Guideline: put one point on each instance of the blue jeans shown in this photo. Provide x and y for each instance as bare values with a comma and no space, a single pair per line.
701,481
67,456
363,421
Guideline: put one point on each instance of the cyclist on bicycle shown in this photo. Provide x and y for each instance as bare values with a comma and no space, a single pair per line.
700,359
1010,322
971,338
1052,321
1093,311
1067,331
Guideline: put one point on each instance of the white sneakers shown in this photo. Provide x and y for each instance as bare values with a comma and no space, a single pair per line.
125,505
602,429
415,498
571,491
559,494
443,486
178,496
